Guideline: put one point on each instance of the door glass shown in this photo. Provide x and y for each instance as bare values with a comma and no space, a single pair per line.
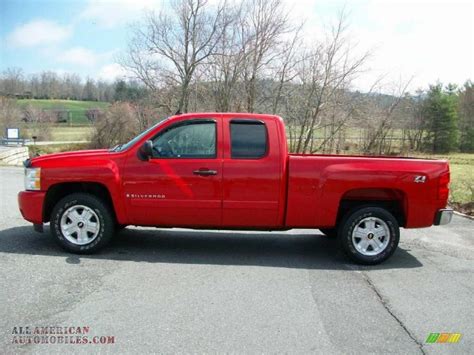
187,140
249,139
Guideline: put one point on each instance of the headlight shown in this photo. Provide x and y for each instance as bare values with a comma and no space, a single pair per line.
33,179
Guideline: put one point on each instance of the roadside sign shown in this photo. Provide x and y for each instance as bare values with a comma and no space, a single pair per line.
13,133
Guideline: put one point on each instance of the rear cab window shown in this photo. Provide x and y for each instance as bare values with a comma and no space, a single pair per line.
249,139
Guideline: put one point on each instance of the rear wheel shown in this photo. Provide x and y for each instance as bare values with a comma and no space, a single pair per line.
81,223
369,235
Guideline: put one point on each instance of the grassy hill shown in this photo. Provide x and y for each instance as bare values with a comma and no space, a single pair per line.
77,109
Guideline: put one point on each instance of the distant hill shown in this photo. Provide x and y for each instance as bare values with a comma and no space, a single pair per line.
77,109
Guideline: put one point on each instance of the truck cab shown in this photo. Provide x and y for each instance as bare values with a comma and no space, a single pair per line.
209,171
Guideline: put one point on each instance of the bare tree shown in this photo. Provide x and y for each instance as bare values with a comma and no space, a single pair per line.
71,87
175,44
121,122
12,82
414,126
93,114
10,114
225,67
38,122
325,72
285,69
116,125
49,85
380,117
262,26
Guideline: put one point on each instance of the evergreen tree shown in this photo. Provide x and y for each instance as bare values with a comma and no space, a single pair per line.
466,118
121,91
128,91
441,118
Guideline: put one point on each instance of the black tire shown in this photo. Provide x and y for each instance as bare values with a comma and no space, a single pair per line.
353,219
106,226
329,232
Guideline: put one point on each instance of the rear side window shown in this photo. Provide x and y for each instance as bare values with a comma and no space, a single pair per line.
248,139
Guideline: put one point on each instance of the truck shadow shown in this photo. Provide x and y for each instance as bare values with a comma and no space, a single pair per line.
277,249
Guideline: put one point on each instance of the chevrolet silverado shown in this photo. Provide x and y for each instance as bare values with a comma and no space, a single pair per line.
232,171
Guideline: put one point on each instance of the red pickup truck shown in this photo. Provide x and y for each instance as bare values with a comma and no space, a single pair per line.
232,171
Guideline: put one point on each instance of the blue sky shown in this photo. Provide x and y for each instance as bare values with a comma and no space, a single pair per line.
423,40
65,36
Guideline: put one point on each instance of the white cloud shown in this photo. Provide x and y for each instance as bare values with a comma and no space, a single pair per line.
111,13
79,56
113,71
38,33
84,57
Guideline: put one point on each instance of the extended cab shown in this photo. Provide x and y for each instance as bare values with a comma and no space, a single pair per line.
232,171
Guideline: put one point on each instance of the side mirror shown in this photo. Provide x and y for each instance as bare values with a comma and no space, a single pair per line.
146,150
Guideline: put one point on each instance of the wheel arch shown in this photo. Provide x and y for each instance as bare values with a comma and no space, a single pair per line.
393,200
60,190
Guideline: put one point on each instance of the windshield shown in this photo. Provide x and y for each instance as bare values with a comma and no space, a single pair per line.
122,147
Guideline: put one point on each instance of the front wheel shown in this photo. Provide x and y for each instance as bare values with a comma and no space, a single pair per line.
82,224
369,235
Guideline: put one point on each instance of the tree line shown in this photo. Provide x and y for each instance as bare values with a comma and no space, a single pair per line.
68,86
440,119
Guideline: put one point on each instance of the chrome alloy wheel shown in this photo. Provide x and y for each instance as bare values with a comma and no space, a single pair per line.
80,225
371,236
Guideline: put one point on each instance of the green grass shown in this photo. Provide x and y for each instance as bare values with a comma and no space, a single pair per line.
74,133
78,109
64,133
462,177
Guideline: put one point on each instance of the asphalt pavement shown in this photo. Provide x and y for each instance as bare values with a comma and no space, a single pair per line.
183,291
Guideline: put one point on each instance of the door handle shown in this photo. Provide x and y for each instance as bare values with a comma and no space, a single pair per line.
204,172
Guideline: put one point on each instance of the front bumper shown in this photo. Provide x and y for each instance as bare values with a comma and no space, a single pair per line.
31,205
443,216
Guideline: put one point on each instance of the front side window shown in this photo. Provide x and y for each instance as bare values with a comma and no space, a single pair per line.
187,140
249,139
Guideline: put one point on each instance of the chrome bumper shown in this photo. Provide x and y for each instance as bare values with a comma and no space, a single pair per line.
443,216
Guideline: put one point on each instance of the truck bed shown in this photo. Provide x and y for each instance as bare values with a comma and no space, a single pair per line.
318,184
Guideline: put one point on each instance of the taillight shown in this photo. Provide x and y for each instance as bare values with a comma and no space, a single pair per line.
443,186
